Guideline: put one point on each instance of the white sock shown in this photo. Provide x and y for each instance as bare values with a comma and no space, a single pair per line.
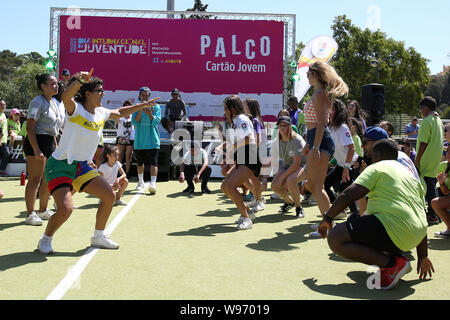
153,179
44,236
141,177
99,233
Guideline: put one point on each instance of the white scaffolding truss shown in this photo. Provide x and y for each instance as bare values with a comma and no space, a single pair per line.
287,19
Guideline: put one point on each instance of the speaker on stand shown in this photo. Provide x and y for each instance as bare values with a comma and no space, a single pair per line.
373,103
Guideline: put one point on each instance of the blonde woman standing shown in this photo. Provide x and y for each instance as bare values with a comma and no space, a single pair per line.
327,85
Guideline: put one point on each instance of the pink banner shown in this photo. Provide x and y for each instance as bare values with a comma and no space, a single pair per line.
210,56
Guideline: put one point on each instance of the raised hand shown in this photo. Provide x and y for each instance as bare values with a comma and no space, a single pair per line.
86,76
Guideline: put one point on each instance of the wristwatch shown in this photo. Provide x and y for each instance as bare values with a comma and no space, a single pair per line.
327,218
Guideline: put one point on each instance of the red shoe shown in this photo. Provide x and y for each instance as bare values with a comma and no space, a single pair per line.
391,276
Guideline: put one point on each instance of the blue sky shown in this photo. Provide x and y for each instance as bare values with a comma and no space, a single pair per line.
419,24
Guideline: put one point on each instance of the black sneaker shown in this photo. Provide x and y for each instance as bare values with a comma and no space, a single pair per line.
206,190
286,207
299,212
189,189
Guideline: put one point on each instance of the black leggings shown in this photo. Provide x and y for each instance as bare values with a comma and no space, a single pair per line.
334,178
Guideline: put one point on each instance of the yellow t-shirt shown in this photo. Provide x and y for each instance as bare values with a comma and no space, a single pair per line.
397,199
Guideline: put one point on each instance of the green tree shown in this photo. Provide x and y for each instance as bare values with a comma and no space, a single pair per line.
436,85
198,7
403,71
17,77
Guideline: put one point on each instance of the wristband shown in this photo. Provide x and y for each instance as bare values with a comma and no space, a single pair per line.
315,148
327,218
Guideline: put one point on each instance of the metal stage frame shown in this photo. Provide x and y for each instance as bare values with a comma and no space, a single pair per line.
287,19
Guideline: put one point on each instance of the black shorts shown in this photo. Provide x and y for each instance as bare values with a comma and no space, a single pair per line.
45,142
248,156
147,156
369,231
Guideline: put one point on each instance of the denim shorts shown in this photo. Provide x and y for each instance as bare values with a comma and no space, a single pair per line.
327,144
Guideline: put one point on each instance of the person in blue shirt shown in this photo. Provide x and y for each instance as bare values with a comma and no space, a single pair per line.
293,109
147,140
412,129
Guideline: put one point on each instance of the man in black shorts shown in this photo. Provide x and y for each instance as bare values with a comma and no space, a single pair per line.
395,221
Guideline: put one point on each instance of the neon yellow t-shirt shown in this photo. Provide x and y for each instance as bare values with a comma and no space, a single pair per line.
14,126
431,132
358,145
442,168
397,199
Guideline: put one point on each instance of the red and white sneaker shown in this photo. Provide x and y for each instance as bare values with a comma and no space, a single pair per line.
391,276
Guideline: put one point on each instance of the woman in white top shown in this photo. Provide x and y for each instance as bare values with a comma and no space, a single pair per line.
344,153
241,149
69,168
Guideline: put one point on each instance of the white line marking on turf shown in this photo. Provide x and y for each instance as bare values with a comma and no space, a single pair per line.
76,271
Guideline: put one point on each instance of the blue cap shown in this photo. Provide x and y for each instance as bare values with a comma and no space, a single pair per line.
375,133
143,89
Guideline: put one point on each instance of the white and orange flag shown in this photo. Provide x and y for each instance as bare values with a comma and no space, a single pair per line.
319,48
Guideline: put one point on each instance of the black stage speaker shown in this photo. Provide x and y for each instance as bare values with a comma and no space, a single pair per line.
373,102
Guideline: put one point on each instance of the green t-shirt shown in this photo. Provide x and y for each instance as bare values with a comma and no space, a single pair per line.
301,123
14,126
3,128
431,132
23,130
397,199
442,168
358,145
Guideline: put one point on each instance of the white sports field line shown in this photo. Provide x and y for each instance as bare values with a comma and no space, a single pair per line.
78,269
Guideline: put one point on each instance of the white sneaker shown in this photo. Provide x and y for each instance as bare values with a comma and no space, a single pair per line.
251,214
252,202
315,234
239,221
103,242
259,206
152,188
120,203
140,186
246,223
46,214
275,196
34,220
45,246
315,226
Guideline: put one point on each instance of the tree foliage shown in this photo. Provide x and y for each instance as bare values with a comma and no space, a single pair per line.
17,77
403,71
198,7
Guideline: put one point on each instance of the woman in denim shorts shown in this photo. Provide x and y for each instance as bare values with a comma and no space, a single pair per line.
320,144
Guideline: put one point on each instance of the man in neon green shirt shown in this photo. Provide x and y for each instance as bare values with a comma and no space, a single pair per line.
395,221
430,142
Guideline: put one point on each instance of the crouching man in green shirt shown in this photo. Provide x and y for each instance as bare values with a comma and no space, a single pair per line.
395,222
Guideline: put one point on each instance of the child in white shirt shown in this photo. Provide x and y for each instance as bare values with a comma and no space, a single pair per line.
110,168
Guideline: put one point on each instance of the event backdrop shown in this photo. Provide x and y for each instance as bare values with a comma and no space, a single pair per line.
205,59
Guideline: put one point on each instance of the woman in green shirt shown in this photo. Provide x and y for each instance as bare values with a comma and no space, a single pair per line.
13,126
